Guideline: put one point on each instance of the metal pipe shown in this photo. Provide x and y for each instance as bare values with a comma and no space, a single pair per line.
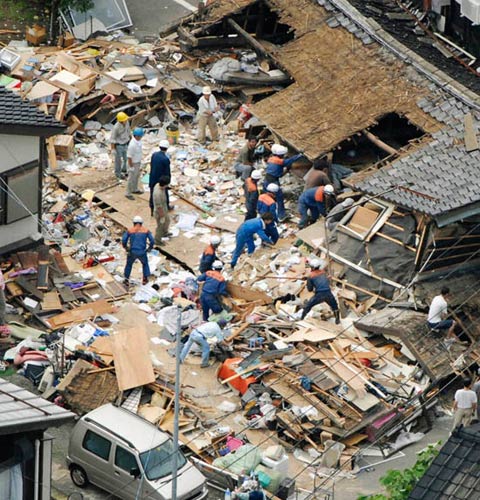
176,414
37,470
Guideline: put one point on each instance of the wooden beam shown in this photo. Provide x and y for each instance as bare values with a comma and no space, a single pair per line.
379,143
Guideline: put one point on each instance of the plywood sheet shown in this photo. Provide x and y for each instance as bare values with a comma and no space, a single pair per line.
81,313
132,361
363,219
311,335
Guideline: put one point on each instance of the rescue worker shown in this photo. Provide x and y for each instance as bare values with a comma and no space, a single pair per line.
318,283
209,255
215,286
201,336
119,139
438,314
315,201
245,234
207,107
137,241
250,188
277,167
266,203
134,157
159,167
318,174
245,159
160,209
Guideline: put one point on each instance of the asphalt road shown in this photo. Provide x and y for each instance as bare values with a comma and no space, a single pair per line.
149,17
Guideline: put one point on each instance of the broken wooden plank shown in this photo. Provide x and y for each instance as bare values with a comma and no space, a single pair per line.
471,142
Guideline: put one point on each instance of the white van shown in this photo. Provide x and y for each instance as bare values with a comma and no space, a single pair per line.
129,457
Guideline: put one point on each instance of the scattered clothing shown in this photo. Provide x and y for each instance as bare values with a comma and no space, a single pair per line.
318,283
244,238
214,287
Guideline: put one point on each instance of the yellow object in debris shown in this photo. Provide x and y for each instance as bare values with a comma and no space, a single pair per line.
93,52
88,194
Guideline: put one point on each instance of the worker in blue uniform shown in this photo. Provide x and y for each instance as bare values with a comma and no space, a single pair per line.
318,283
267,203
159,167
214,287
314,202
209,255
246,232
277,167
137,241
250,189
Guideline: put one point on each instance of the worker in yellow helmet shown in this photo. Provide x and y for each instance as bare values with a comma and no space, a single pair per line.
119,139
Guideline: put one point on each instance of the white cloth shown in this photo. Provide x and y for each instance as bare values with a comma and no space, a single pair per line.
134,151
204,106
210,330
465,398
438,309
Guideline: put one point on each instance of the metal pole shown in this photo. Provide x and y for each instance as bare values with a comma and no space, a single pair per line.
176,414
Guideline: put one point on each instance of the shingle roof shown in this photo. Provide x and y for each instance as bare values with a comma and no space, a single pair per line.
455,472
21,410
439,177
19,116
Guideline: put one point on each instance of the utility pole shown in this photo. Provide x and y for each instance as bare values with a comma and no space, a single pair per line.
176,414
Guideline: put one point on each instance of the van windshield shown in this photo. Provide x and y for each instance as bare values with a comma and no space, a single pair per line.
157,462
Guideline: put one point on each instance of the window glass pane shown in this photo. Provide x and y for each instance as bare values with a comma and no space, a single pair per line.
157,462
125,460
96,444
24,185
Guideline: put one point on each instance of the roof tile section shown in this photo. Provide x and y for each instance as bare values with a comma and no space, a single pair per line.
21,410
442,175
455,472
14,111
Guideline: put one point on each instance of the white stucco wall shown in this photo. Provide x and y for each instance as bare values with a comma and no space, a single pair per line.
16,150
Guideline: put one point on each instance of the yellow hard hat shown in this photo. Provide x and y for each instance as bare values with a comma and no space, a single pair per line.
122,117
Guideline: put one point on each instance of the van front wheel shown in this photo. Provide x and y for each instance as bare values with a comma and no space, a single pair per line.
79,476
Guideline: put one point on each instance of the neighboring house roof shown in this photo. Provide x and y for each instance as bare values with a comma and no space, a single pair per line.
455,472
21,410
18,116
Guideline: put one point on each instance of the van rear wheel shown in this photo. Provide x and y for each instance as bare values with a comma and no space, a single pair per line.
79,476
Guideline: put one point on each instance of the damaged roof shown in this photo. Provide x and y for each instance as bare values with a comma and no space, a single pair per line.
21,410
22,117
455,472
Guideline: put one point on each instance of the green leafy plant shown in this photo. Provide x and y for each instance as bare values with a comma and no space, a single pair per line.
398,483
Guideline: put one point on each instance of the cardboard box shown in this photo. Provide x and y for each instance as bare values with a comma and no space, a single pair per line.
67,39
36,34
64,146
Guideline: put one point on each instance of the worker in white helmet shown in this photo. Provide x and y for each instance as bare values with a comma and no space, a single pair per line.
159,167
137,241
318,283
209,255
207,107
277,167
267,203
213,289
250,188
314,202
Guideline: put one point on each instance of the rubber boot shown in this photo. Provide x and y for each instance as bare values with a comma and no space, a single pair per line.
337,317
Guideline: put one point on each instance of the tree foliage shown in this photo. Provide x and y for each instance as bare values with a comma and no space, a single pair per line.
399,484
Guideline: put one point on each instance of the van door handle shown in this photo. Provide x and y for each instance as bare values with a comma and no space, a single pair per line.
116,473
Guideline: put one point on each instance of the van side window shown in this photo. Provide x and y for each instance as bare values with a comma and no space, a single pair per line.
97,444
125,460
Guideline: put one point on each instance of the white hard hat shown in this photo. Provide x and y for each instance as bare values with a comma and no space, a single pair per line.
315,263
137,220
329,189
278,149
206,90
347,202
256,174
217,265
215,240
164,144
273,188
